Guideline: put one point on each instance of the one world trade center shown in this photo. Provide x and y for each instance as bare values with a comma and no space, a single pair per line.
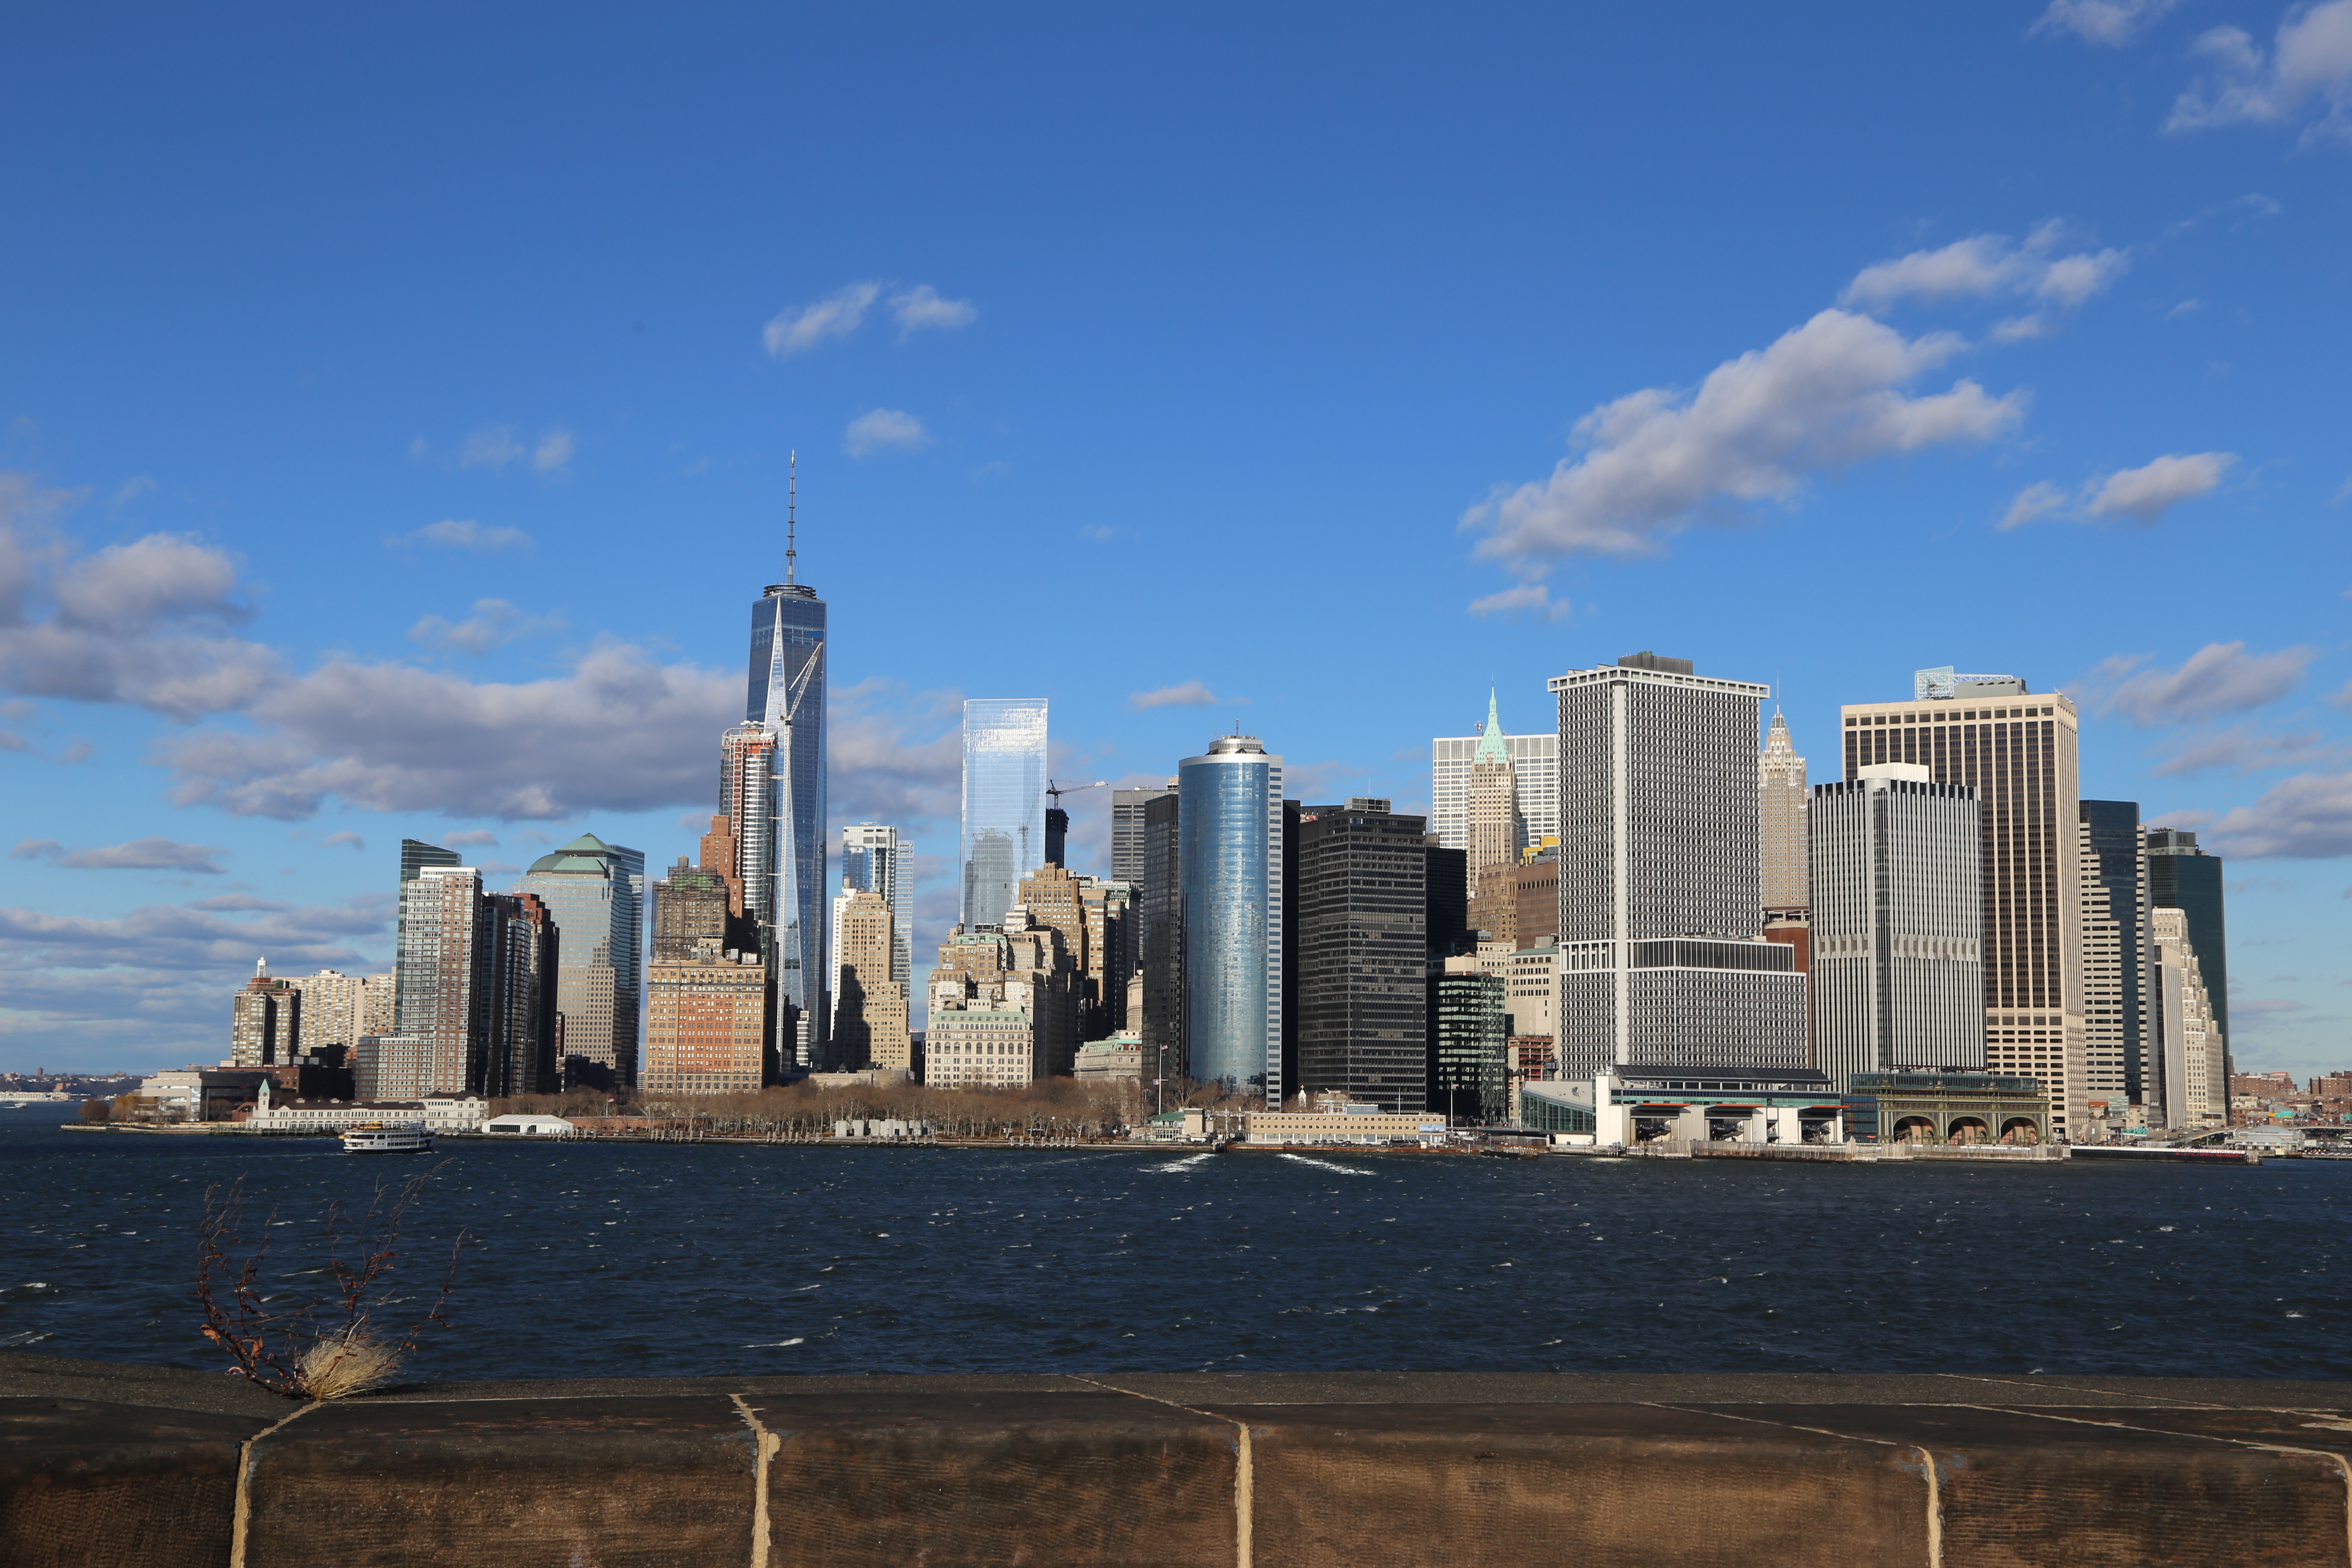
784,709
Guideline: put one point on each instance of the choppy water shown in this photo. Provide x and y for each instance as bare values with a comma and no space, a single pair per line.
646,1258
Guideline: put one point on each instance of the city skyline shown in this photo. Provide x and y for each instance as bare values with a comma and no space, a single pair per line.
506,501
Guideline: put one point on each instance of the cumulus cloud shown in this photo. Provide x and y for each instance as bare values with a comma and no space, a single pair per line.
1992,264
494,623
798,329
894,757
2218,679
139,854
342,836
2113,23
1825,396
883,431
2306,817
1530,600
2141,495
920,309
2245,751
2305,75
143,623
1189,694
464,533
554,450
617,733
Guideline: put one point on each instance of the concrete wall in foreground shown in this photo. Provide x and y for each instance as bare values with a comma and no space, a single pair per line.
102,1465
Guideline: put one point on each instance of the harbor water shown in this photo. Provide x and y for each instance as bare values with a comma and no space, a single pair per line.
631,1259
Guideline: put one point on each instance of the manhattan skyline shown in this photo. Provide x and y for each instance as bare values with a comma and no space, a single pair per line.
415,485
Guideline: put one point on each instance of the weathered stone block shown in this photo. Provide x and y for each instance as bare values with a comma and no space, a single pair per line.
563,1483
999,1477
90,1485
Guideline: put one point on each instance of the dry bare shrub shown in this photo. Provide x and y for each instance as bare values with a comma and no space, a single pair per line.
284,1348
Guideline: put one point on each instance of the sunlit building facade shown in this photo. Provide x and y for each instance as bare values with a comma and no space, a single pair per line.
595,893
1229,826
1004,836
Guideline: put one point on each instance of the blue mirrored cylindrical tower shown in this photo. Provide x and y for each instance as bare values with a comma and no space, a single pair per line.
1229,834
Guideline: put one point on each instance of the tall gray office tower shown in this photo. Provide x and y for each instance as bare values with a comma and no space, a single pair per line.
1230,833
1003,802
786,698
1359,918
2121,1062
595,894
2182,877
1127,807
1161,940
1895,874
1660,903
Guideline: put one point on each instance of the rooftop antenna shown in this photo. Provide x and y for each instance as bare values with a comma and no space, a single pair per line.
792,517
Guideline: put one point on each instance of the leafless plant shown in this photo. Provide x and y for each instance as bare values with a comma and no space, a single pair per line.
311,1349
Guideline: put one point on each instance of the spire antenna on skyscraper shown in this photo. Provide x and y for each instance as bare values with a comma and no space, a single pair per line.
792,515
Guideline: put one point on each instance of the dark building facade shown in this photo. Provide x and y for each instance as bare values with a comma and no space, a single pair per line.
2112,840
1469,1046
1163,942
1447,920
2182,877
1127,806
1361,909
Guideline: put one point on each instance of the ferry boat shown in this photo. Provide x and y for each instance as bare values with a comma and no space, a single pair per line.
376,1138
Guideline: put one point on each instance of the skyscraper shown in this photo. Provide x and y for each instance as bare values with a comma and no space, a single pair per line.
265,1020
1781,781
439,981
1660,879
2018,751
1534,771
1127,812
2196,1053
2182,877
870,862
1229,828
1362,955
1003,802
1497,833
2119,1063
786,698
1164,940
870,1015
518,958
1897,924
594,892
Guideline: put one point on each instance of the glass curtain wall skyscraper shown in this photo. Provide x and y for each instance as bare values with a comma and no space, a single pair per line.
1230,831
595,894
786,700
1003,802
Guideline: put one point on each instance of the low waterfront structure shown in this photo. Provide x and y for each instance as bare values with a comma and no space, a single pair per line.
440,1112
980,1047
1121,1055
1358,1124
529,1126
1630,1105
1947,1108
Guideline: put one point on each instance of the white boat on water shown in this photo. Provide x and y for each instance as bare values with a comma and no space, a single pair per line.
376,1138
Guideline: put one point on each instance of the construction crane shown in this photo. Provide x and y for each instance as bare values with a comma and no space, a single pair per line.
1056,792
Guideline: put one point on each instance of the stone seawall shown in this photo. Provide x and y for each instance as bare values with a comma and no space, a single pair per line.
105,1464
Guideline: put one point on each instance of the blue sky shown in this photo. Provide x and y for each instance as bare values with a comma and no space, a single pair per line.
395,412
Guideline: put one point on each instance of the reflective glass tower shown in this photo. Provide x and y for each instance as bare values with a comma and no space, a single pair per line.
595,894
1229,829
870,856
1003,802
786,698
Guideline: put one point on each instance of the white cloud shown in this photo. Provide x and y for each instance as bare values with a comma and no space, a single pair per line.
2306,817
342,836
2142,494
797,330
2308,72
921,308
132,489
494,621
2217,679
885,430
2244,750
139,854
1826,394
1988,264
491,447
1188,694
1528,599
892,758
617,733
471,838
464,533
554,450
2113,23
142,622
